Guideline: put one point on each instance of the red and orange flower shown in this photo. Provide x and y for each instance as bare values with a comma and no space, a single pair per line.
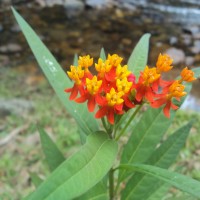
113,89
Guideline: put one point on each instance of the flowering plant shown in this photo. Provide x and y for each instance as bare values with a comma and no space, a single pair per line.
116,93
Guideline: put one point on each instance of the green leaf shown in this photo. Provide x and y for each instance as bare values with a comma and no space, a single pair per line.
159,193
35,179
139,56
144,138
75,62
98,192
177,180
103,54
57,77
140,186
196,72
81,171
53,155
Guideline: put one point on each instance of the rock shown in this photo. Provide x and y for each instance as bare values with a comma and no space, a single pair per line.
98,3
187,39
173,40
189,60
73,8
196,36
15,28
10,48
16,106
126,41
119,13
191,29
177,55
196,48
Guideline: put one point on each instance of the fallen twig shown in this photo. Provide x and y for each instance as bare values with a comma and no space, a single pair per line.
12,134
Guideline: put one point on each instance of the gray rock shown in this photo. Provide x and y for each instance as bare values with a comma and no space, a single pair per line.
73,8
15,106
189,60
196,48
10,48
177,55
173,40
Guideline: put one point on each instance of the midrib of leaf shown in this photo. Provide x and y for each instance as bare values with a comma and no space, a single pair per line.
85,166
145,175
142,140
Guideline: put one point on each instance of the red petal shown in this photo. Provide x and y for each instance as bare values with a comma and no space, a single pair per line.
149,94
118,107
110,76
68,90
166,109
74,93
128,102
101,112
159,102
100,100
140,93
110,116
82,99
174,107
91,103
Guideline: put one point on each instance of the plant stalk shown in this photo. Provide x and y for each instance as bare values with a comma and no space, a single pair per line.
129,121
111,184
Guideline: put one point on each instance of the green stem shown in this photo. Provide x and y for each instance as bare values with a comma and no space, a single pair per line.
111,184
129,121
104,124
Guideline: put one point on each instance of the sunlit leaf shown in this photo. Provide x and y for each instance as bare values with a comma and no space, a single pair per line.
144,138
139,56
103,54
177,180
52,154
81,171
57,77
140,186
35,179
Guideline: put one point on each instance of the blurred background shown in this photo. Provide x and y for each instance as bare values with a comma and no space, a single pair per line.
69,27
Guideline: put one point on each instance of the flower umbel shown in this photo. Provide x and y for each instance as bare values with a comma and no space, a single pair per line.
113,89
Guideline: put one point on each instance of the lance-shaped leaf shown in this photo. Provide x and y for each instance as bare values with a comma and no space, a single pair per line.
57,77
81,171
103,54
144,138
98,192
140,186
139,56
177,180
53,155
35,179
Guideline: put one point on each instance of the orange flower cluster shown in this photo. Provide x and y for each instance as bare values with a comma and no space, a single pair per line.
114,90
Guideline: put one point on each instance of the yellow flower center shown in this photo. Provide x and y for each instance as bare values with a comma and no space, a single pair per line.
114,98
102,67
176,90
114,60
123,85
122,72
150,75
164,63
76,74
187,75
85,62
93,85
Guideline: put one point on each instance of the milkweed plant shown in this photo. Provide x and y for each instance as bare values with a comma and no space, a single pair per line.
107,100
